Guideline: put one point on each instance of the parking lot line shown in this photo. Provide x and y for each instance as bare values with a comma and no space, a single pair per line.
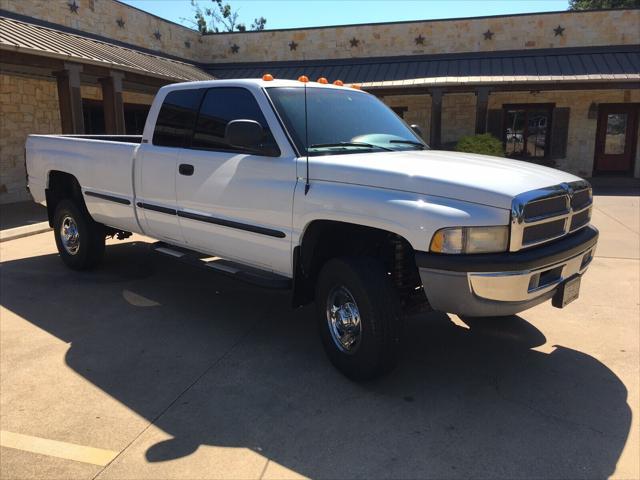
54,448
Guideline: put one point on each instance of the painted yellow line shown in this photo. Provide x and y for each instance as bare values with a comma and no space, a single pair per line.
54,448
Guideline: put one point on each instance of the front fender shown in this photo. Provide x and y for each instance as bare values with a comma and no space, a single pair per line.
414,217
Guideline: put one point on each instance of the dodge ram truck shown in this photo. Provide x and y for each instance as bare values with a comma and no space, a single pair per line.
323,190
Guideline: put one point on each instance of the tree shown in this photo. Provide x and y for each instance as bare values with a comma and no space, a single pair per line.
220,17
602,4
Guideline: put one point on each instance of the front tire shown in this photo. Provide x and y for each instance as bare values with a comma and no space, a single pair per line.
79,239
359,317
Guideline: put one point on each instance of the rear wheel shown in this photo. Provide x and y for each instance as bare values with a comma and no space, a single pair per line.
359,317
79,239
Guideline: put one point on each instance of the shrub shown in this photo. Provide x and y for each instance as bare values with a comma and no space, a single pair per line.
485,144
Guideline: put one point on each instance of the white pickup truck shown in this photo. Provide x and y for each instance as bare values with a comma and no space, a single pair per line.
324,190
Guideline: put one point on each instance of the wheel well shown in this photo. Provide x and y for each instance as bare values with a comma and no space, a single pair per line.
62,186
325,239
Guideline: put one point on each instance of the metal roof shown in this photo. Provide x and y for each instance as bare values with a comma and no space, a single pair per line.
24,37
583,64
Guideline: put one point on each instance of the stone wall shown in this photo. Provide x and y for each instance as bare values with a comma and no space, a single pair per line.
458,116
582,130
418,110
391,39
94,92
27,105
436,36
101,18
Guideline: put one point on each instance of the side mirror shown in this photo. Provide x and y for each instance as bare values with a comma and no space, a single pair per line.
417,130
244,134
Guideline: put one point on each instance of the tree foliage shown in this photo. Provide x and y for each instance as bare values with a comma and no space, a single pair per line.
221,17
602,4
485,144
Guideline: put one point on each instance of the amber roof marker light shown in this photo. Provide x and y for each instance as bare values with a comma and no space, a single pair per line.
323,81
303,79
356,86
267,77
339,83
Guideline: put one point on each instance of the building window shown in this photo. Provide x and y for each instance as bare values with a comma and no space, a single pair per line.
527,130
93,114
135,116
400,111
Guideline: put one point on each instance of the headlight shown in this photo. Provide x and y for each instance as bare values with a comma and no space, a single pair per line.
471,240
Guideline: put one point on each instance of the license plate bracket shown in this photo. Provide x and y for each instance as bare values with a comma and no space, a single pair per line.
567,292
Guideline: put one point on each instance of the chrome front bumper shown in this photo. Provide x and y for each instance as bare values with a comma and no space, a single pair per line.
502,291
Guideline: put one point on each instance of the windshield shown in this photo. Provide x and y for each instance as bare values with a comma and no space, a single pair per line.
341,121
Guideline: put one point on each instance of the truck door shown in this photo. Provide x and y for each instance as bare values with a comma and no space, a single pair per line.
157,165
233,203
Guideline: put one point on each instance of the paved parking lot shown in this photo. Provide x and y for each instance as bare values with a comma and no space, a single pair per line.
147,368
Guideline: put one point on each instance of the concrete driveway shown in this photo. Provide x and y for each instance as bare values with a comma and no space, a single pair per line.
147,368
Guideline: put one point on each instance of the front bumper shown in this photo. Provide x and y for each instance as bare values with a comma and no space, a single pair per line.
505,283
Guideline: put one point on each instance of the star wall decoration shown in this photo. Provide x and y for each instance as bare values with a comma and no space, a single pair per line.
73,7
235,48
354,42
157,34
419,40
558,31
187,43
488,35
120,22
293,45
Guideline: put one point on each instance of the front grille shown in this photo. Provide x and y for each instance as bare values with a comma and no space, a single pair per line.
544,215
581,199
547,207
580,219
543,231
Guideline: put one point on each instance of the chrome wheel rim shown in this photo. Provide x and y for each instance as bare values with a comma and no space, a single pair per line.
69,235
343,318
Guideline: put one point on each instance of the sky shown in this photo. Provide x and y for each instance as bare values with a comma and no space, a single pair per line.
312,13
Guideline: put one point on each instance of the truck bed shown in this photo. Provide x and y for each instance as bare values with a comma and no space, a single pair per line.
102,164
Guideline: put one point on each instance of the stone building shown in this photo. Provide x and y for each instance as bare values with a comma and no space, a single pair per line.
560,89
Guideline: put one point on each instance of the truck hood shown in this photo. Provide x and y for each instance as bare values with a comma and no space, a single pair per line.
462,176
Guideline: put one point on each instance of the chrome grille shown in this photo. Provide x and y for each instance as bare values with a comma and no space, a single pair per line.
544,215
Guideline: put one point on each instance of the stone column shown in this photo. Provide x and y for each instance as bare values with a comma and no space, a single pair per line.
112,103
435,137
482,106
70,98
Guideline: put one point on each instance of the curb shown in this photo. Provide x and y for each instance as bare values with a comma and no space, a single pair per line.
25,231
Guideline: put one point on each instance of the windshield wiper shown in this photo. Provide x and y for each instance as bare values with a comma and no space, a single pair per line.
409,142
348,144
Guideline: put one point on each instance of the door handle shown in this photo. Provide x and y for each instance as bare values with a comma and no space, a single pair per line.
185,169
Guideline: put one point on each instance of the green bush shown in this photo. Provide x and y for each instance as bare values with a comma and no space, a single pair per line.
485,144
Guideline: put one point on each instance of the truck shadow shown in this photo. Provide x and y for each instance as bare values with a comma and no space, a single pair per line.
464,402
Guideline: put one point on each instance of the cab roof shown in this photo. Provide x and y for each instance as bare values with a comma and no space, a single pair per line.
254,83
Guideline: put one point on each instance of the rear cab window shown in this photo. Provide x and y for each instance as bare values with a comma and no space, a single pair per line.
177,118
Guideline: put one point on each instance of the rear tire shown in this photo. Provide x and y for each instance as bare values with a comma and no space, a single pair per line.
359,317
79,239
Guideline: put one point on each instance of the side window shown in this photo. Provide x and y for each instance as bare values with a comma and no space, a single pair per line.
219,107
177,118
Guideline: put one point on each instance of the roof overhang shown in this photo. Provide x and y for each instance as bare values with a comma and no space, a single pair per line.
31,39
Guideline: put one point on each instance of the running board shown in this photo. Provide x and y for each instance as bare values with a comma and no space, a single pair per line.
260,278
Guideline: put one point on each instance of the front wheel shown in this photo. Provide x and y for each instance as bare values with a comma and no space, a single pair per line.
79,239
359,317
